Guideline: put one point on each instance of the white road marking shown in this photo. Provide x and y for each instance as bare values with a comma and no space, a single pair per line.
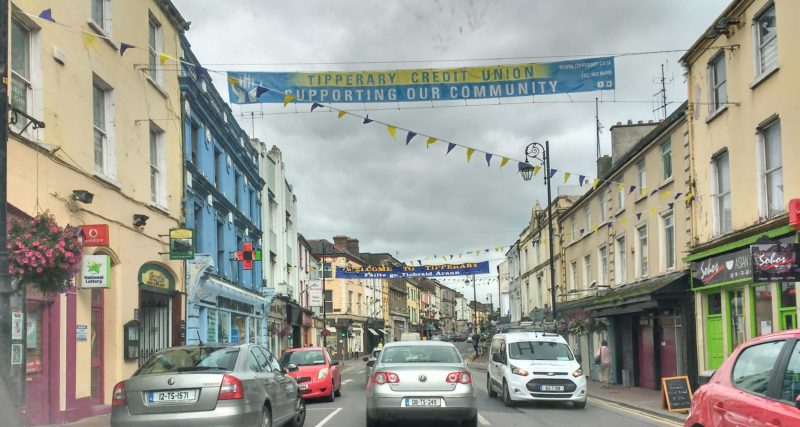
346,381
634,411
483,421
328,418
320,409
361,371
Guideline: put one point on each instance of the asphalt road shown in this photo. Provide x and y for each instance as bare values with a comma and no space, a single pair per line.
349,409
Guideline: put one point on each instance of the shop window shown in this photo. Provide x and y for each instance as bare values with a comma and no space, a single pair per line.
238,329
788,306
224,327
737,330
211,326
714,304
762,307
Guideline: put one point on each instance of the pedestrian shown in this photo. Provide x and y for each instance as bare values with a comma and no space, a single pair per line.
476,338
603,356
356,350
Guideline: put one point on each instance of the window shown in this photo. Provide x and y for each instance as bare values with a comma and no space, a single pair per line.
328,301
587,271
587,218
762,301
715,304
22,48
349,301
195,135
755,365
603,255
220,248
198,227
717,83
621,197
102,113
574,228
101,15
766,34
722,195
537,252
238,266
158,191
573,275
791,379
666,160
641,253
772,180
238,185
642,174
603,206
218,169
621,261
358,303
668,222
156,45
327,273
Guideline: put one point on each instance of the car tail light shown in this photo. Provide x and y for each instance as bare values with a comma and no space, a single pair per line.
231,388
459,378
118,395
386,378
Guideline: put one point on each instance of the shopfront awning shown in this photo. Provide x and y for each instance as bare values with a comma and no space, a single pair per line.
331,329
372,331
640,295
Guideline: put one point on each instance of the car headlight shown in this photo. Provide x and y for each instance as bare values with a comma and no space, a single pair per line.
322,373
518,371
577,373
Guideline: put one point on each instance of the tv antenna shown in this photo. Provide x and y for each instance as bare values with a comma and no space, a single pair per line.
661,95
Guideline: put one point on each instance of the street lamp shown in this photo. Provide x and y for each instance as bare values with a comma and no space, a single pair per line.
541,153
474,303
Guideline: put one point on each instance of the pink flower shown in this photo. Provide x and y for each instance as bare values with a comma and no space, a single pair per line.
28,254
68,254
39,270
27,235
54,229
35,243
49,253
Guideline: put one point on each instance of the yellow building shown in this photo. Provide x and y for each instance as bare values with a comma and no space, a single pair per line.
413,305
744,121
111,128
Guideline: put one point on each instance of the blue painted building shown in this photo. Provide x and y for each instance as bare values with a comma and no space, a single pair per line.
222,203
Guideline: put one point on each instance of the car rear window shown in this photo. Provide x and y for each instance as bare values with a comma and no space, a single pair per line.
191,359
420,354
303,358
539,350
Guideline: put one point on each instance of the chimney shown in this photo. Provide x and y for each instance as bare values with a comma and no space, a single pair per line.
603,166
625,136
352,246
340,243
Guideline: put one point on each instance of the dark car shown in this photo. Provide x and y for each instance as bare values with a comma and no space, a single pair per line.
757,385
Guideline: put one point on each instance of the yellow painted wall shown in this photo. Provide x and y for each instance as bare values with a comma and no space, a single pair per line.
412,302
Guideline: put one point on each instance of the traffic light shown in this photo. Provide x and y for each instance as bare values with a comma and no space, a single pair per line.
343,334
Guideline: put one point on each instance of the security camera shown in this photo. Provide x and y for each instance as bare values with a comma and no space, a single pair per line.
140,220
82,196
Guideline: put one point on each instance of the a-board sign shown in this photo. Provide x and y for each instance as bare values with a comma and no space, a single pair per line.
676,394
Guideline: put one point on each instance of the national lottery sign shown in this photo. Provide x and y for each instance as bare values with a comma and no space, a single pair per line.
446,84
393,272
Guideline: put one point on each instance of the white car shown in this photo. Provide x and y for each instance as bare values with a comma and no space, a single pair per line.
528,366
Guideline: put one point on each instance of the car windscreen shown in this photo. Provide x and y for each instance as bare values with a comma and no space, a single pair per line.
539,350
303,358
191,359
420,354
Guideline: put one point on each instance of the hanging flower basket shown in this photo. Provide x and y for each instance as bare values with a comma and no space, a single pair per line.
577,327
597,325
42,253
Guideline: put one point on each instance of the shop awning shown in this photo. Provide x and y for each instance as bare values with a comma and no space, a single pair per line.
372,331
642,292
331,329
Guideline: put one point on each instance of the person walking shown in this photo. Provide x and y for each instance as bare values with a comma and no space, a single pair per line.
476,339
603,356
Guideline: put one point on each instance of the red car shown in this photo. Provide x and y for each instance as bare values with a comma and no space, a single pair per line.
317,373
757,385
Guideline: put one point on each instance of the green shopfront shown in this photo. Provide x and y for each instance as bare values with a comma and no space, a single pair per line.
730,306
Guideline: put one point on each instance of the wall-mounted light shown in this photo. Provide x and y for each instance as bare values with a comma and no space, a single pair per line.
140,220
82,196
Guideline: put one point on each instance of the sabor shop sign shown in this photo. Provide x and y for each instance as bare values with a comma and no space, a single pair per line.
776,262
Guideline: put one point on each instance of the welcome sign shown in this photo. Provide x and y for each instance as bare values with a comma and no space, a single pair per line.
394,272
96,271
411,85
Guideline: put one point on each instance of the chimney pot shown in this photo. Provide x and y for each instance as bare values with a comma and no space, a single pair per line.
650,121
639,122
340,242
630,122
619,123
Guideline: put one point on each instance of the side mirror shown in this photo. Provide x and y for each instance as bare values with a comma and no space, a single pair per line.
579,358
334,362
497,357
290,368
371,363
365,358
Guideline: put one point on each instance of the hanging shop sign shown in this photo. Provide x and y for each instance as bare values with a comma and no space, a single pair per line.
181,243
95,235
314,293
153,277
96,271
393,272
411,85
776,262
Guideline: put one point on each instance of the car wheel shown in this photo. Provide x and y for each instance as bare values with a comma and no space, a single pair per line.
471,422
372,422
339,391
579,405
299,413
506,396
332,396
266,417
489,389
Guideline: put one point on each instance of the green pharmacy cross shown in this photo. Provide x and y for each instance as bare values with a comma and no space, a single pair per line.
247,255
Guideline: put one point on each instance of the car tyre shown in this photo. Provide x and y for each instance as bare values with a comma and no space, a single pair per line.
372,422
332,396
506,396
338,392
579,405
470,422
489,389
266,417
300,413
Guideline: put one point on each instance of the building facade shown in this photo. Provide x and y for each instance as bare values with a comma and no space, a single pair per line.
447,310
742,123
309,271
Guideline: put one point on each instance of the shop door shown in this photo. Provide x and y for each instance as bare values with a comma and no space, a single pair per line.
714,341
96,373
155,320
37,372
647,375
668,350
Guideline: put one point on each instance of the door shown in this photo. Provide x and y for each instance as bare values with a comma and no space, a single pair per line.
714,341
647,375
37,368
736,316
497,363
668,348
287,387
96,363
155,323
270,379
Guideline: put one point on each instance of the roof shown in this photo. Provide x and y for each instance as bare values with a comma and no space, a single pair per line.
512,337
322,247
703,40
174,15
418,344
295,350
619,295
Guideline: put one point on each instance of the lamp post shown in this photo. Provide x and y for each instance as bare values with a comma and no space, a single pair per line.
541,153
474,304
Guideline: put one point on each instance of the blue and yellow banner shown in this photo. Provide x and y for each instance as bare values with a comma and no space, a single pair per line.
393,272
447,84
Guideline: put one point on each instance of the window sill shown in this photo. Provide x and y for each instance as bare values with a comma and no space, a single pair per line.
619,212
160,208
716,113
108,180
666,182
157,86
765,75
103,33
640,198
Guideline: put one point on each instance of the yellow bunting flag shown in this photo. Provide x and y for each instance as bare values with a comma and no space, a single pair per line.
624,220
233,80
162,58
392,130
665,194
88,39
594,186
288,98
566,176
536,170
621,188
470,152
644,191
688,196
503,163
595,228
431,140
653,210
342,113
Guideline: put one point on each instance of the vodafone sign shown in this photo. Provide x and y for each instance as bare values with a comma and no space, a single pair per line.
95,235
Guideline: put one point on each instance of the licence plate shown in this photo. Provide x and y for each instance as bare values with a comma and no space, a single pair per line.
172,396
423,402
303,386
551,388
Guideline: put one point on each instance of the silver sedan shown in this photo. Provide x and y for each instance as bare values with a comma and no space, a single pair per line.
209,385
421,380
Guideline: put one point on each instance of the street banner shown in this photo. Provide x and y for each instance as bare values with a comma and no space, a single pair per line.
776,262
393,272
412,85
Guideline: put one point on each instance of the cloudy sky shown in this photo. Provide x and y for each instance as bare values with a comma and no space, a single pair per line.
414,201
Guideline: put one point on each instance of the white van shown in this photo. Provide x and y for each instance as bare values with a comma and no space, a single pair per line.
527,366
410,336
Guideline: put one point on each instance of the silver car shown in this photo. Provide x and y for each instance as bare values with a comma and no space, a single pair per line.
421,380
209,385
371,359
